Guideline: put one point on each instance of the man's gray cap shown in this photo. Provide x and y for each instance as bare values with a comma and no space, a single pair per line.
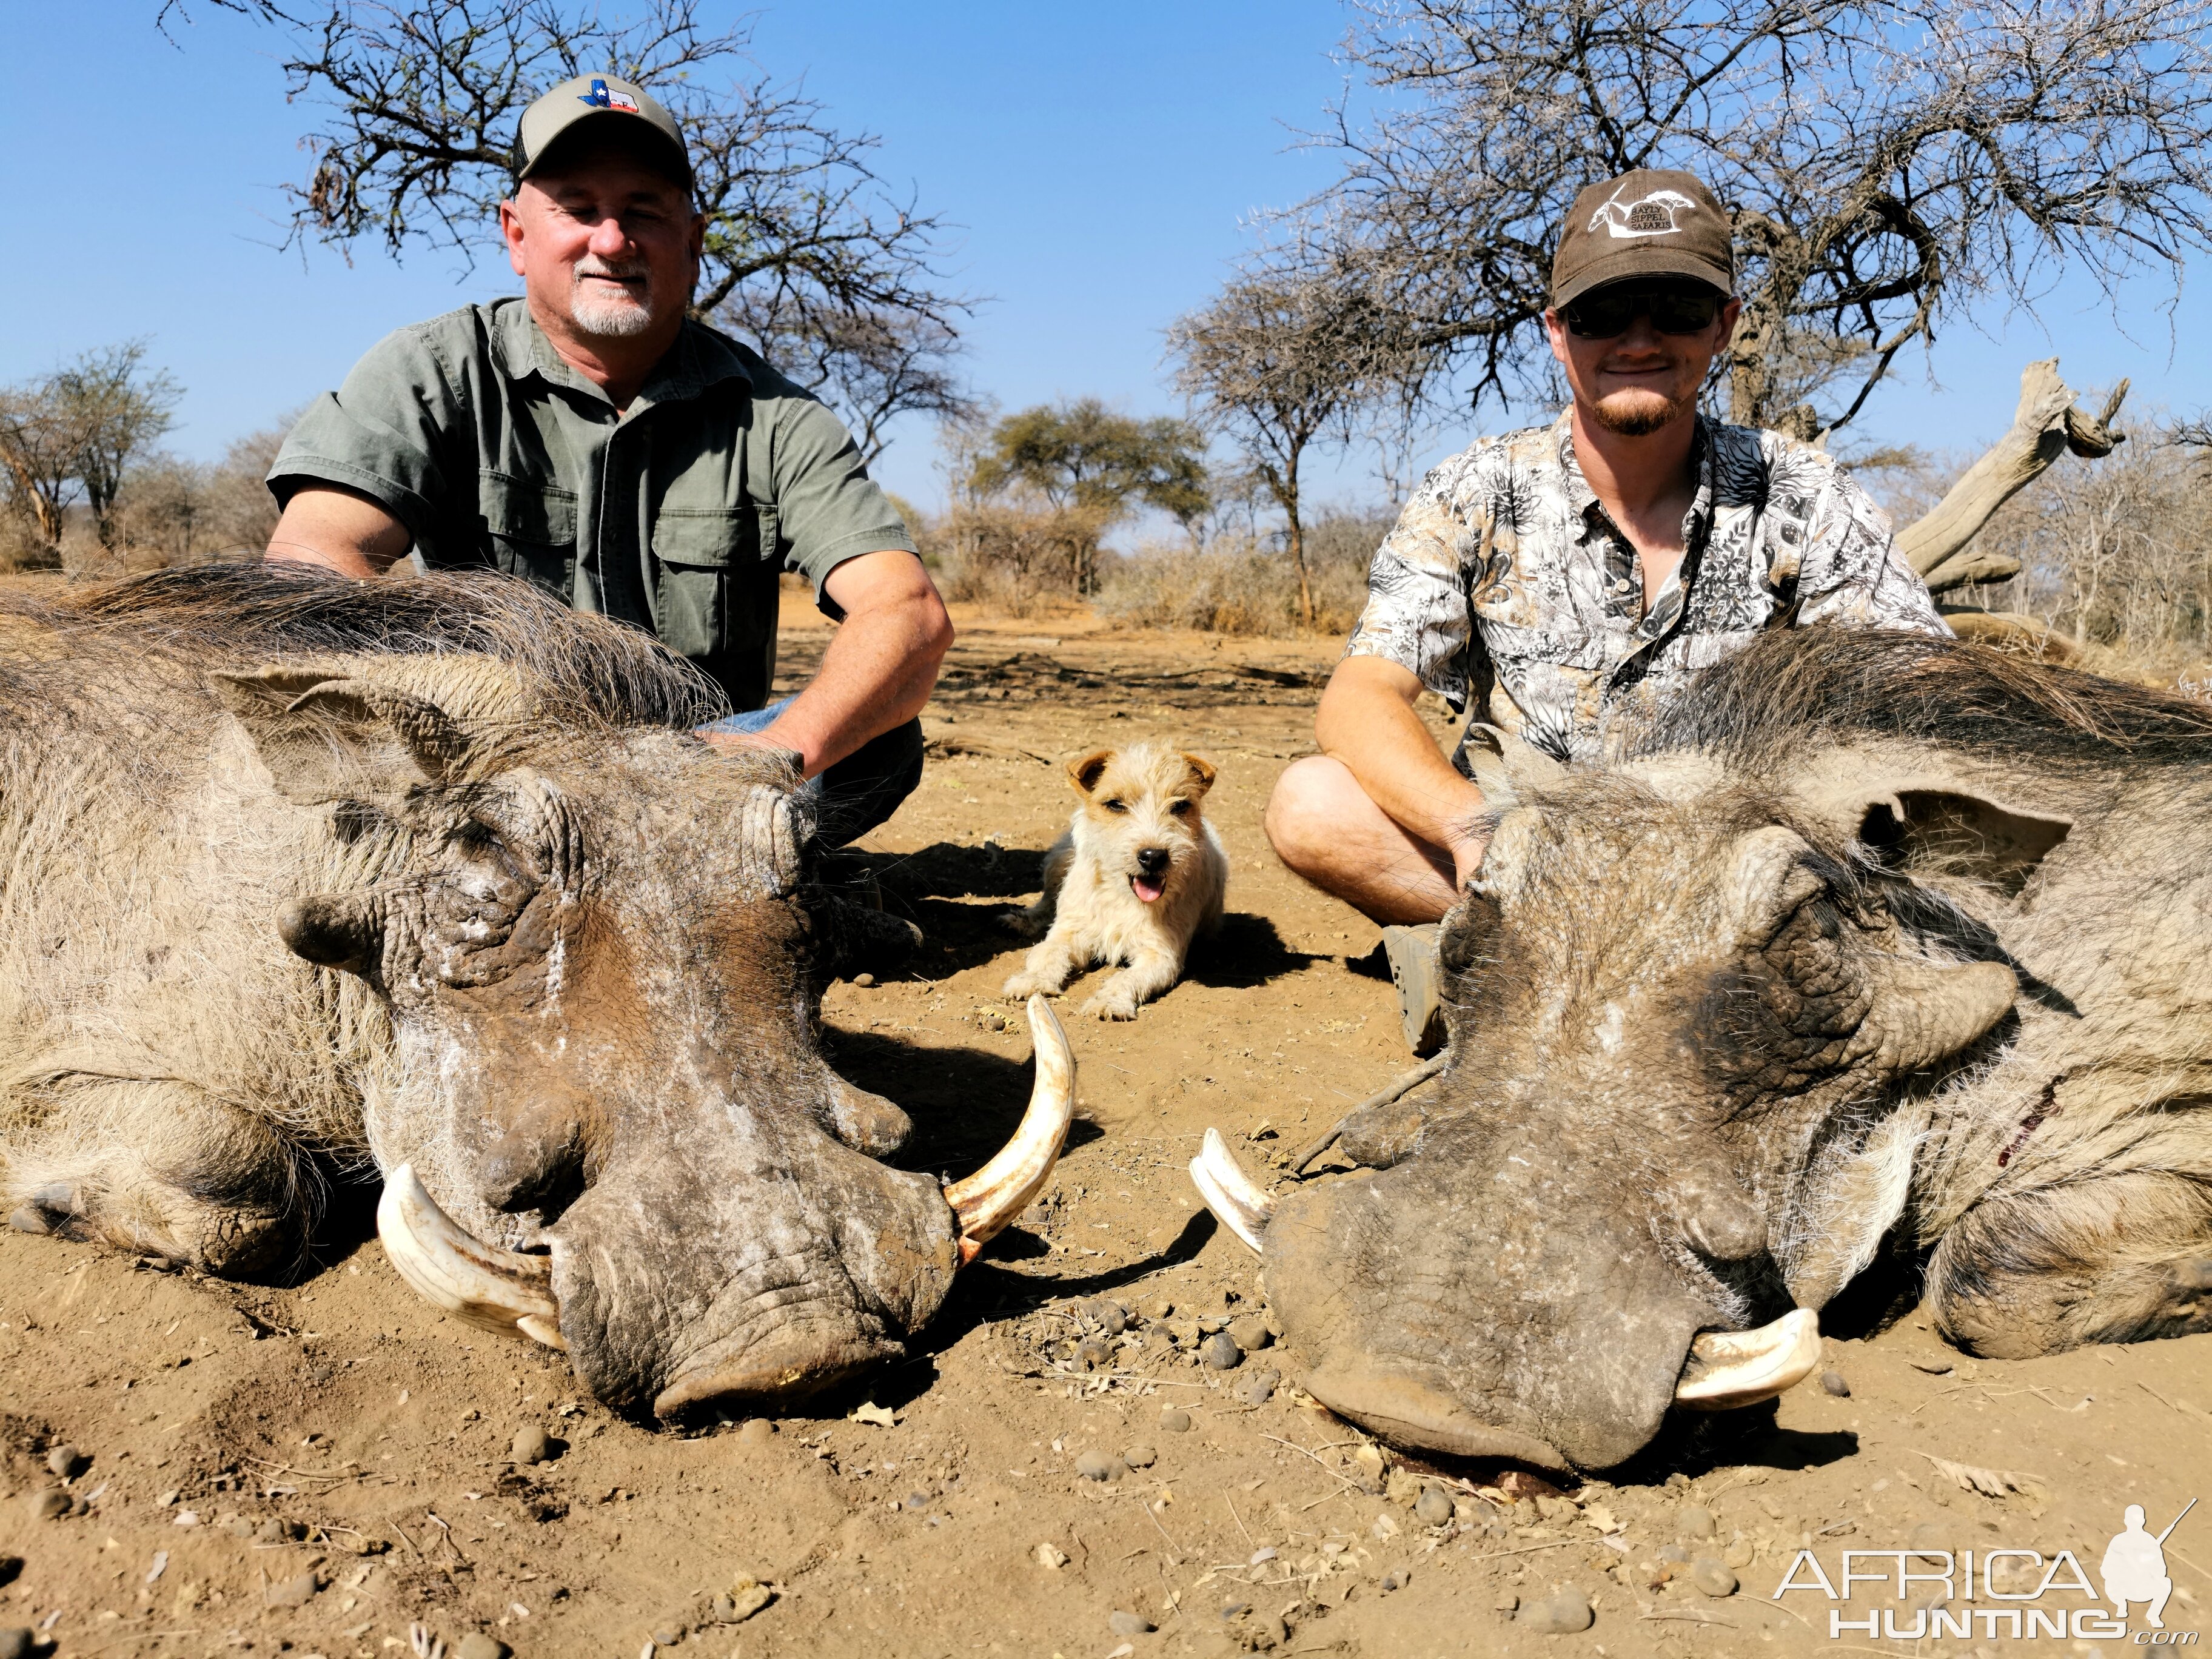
602,98
1651,223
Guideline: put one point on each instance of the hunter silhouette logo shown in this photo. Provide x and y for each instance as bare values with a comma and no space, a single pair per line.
2134,1567
1647,215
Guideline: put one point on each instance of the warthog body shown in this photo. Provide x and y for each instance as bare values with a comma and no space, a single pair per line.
546,948
1868,940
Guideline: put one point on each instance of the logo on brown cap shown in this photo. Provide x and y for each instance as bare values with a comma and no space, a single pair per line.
1647,215
1650,223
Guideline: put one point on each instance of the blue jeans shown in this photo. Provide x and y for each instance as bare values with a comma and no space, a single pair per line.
860,791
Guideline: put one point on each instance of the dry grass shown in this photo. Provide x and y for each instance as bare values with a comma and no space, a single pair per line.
1238,584
1235,589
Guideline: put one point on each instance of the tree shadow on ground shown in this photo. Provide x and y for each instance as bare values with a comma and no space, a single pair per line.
926,888
946,869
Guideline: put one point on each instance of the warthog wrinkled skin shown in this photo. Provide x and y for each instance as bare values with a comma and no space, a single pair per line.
1866,941
545,946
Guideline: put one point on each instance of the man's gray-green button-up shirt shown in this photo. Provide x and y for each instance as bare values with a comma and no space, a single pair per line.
677,514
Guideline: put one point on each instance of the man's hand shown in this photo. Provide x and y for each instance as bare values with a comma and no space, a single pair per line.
1366,720
879,669
1380,818
343,533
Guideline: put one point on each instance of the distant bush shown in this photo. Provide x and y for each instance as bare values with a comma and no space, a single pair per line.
168,511
1016,558
1238,585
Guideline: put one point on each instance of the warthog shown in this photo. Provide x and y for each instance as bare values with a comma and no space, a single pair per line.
1865,938
299,875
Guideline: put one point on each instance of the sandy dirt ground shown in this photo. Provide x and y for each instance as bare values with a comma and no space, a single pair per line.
321,1469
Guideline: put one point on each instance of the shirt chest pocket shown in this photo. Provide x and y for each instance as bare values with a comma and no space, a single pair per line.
704,558
530,530
1516,628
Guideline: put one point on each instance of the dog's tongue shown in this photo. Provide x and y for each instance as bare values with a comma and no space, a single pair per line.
1146,890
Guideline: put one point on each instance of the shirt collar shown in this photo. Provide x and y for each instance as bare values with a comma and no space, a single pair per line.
1583,499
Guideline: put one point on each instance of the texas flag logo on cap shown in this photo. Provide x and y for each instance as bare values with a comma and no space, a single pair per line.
600,98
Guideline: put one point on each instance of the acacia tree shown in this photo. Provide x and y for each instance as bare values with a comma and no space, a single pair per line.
115,408
1883,165
806,245
1082,458
1283,357
77,430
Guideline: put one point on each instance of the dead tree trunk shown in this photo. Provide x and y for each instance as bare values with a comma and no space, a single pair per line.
1941,544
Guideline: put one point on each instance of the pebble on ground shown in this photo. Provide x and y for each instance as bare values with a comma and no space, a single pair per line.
1220,1352
1562,1613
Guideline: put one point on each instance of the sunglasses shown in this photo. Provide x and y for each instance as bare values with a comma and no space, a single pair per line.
1607,313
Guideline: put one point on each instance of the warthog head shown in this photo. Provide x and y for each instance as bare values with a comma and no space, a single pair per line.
600,1112
1684,1014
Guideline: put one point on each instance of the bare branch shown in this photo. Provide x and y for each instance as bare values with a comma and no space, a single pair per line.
1282,357
1885,164
2046,426
806,247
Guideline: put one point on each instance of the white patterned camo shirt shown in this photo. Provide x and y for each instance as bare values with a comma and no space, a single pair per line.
1504,577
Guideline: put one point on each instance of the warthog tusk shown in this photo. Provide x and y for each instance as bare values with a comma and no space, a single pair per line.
986,1200
1237,1203
500,1290
1728,1368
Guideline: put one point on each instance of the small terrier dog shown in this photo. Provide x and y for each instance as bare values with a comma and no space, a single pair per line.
1138,873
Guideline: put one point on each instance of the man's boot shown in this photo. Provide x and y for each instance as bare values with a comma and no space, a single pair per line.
1418,972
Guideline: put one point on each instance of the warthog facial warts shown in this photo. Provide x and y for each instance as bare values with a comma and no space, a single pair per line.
1868,942
299,875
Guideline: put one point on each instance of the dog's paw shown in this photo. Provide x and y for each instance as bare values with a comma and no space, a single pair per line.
1020,923
1108,1007
1022,987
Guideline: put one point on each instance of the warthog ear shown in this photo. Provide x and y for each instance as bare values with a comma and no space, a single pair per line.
326,738
1923,820
1505,767
1933,832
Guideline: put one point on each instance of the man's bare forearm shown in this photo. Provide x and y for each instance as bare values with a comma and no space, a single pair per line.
1367,722
877,674
343,532
879,669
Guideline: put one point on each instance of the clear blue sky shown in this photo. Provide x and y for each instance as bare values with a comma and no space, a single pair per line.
1099,158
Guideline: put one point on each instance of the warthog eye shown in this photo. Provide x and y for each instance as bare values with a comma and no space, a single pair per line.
480,923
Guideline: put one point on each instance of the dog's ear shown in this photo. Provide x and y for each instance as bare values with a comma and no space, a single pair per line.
1085,773
1201,769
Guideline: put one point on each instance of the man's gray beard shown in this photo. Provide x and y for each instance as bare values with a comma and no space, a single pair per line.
1643,417
607,318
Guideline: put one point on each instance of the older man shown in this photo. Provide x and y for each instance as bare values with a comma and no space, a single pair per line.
1558,576
592,438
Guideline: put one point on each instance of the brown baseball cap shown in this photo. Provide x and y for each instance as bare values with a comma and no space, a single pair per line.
599,98
1651,223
